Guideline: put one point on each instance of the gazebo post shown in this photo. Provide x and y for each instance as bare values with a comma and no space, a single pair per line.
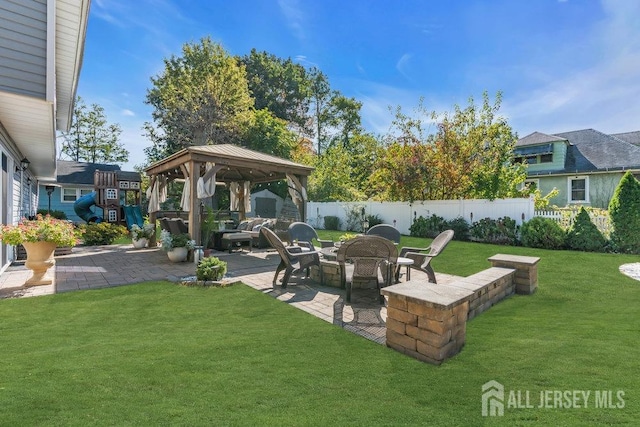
194,208
152,215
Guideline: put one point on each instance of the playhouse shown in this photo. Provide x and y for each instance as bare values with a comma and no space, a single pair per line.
117,193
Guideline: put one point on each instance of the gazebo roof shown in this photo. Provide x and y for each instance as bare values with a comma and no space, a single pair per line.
242,164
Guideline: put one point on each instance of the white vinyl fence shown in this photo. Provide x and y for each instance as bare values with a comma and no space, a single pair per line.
566,217
402,214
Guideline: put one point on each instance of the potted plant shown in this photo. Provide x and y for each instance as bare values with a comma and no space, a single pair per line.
140,235
177,246
40,237
211,269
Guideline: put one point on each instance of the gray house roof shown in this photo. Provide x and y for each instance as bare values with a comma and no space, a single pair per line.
537,138
70,172
589,150
632,137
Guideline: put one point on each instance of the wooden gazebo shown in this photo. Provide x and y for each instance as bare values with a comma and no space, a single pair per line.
222,164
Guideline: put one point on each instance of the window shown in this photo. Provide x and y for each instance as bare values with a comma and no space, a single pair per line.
546,158
578,189
531,184
70,195
534,154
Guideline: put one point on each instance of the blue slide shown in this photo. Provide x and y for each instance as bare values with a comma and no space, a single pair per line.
82,206
133,215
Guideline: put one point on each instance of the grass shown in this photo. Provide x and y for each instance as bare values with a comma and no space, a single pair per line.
156,353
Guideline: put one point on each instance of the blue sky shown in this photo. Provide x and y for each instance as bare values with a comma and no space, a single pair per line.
561,64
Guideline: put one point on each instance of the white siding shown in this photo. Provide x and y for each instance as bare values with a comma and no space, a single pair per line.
23,50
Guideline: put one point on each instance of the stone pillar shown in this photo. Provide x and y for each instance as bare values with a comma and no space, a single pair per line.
426,321
526,278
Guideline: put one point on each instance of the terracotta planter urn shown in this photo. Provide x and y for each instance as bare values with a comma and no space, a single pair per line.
140,243
178,254
39,260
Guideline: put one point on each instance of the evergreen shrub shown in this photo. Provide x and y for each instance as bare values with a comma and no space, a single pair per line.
624,211
331,222
584,235
542,232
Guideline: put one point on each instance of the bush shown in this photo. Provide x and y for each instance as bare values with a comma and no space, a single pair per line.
374,220
427,227
102,233
331,223
354,218
460,228
584,235
54,214
501,231
211,268
542,233
624,210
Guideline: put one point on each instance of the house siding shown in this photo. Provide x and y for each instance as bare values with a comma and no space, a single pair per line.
559,158
57,204
23,47
601,188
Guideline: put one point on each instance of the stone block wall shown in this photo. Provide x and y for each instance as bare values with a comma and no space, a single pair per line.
427,322
526,278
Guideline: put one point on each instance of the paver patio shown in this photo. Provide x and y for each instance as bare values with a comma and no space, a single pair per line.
94,267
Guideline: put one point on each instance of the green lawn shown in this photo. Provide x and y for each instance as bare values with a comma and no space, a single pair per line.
161,354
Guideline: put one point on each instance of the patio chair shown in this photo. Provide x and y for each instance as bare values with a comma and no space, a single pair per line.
385,230
291,259
177,226
422,256
164,224
369,254
304,234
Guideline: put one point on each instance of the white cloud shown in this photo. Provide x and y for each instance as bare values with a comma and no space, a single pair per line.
294,16
127,112
602,96
403,65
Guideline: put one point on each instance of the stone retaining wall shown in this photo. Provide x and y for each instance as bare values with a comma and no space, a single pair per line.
428,321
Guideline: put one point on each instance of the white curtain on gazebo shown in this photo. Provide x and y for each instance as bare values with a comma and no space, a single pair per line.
207,182
185,201
157,193
297,192
240,192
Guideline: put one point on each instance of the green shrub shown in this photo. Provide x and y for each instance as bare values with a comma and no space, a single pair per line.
501,231
211,268
374,220
102,233
584,235
331,222
542,233
624,210
460,228
427,227
54,214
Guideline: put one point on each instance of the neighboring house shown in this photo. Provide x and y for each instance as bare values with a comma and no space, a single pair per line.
584,165
74,180
41,47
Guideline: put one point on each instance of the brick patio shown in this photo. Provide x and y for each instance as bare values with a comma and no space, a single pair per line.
98,267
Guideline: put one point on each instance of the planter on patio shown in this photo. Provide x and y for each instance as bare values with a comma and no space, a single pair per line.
178,254
140,243
39,260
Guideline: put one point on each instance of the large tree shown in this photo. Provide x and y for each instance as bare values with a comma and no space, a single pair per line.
281,86
91,138
200,98
469,155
